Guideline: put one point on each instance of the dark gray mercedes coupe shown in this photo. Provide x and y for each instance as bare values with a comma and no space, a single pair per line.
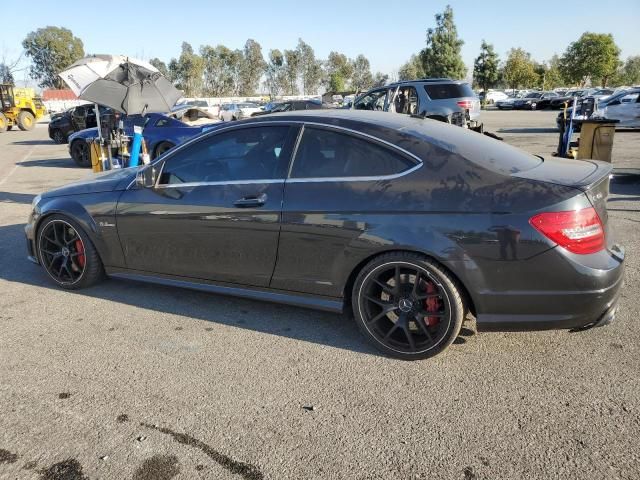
409,223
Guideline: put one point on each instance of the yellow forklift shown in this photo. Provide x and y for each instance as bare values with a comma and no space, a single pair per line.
19,106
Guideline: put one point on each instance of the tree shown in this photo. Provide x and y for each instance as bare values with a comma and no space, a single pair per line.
310,68
593,56
189,69
629,72
441,57
380,79
336,82
362,78
51,49
519,70
253,66
160,65
338,72
553,76
412,69
219,70
275,73
292,70
485,68
6,75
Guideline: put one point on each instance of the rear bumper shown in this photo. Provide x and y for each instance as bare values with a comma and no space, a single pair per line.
561,309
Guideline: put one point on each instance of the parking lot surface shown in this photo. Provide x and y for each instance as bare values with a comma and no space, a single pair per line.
127,380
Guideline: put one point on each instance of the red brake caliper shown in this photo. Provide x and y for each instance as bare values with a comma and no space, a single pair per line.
80,250
432,304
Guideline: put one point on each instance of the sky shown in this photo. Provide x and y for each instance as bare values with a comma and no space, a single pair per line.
387,33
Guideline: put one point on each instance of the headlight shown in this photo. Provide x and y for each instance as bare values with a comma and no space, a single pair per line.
35,201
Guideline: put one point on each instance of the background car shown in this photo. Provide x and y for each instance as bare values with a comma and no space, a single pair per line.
408,223
560,101
534,101
493,96
73,120
161,132
436,98
290,106
507,103
238,111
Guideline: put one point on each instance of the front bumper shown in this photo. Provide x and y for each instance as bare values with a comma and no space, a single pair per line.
573,308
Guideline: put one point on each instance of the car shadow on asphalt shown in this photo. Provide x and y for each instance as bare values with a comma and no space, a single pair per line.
333,330
50,163
16,197
528,130
33,142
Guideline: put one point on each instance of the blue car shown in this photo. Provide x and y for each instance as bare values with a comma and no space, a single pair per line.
161,131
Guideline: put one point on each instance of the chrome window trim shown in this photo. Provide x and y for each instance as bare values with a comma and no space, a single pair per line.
372,178
207,184
292,122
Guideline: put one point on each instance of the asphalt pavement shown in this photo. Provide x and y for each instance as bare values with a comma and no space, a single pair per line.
133,381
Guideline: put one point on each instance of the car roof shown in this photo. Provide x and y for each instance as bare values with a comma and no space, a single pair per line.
386,126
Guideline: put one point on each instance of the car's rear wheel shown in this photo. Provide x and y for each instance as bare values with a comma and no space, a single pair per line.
407,306
67,254
161,148
26,120
9,127
80,153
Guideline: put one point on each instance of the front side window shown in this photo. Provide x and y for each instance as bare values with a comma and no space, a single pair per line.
327,153
406,100
372,101
243,154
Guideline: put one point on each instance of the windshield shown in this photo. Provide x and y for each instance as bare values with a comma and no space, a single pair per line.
282,107
247,105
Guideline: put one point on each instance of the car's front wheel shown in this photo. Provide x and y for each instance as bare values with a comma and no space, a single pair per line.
407,306
58,137
67,254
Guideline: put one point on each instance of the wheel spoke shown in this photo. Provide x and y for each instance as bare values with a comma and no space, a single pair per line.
419,319
385,286
391,330
416,283
49,252
383,313
427,295
378,301
397,279
407,333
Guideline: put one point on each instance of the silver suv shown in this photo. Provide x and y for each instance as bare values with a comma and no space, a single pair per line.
442,99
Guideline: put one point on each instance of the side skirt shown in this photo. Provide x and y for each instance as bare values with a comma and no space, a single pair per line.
328,304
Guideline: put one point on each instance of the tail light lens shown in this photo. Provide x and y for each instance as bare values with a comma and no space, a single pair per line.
465,104
579,231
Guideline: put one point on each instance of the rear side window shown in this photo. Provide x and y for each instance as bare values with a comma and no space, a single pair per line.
326,153
443,91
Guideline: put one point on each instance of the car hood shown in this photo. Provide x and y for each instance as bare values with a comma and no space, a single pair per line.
86,133
96,182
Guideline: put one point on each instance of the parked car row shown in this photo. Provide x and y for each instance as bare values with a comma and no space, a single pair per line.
623,106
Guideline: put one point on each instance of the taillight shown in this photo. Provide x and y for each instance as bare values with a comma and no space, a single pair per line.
579,231
465,104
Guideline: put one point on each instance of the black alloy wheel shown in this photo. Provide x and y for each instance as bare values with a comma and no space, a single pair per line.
407,306
80,153
67,254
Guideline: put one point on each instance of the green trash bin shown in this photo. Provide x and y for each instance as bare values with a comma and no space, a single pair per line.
596,139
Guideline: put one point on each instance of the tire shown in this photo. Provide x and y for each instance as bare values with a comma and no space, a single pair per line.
58,137
3,123
80,153
9,127
80,253
534,106
393,319
161,148
26,121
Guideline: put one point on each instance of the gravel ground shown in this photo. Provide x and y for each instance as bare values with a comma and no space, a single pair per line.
127,380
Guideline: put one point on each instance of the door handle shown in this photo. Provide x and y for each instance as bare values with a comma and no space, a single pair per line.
251,201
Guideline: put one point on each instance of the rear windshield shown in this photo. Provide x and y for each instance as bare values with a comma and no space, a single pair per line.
448,90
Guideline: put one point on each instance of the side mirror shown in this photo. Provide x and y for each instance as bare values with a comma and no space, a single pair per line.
146,178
